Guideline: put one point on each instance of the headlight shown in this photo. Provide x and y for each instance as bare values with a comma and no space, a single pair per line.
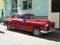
46,25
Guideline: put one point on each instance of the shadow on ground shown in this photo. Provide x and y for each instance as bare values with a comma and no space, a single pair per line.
2,32
51,36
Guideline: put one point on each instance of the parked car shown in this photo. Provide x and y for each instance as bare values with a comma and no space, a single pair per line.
30,23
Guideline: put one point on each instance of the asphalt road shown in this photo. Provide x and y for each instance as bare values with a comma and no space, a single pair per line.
18,37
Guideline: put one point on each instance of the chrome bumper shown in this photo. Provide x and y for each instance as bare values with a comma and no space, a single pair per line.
44,32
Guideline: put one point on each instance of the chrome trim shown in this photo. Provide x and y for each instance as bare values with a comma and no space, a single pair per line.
44,32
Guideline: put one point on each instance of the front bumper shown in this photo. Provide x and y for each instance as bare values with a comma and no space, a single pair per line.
44,31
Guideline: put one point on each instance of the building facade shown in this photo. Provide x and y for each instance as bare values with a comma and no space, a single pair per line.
36,7
1,10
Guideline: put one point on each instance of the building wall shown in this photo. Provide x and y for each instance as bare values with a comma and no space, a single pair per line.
7,8
53,16
39,7
20,7
1,7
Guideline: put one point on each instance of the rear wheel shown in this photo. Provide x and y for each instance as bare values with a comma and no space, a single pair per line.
37,32
9,26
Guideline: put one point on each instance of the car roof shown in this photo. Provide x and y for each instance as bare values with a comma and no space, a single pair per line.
21,14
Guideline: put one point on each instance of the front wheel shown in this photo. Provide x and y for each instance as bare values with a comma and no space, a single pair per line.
37,32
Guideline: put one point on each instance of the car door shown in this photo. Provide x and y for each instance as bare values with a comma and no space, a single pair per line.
14,21
27,25
20,23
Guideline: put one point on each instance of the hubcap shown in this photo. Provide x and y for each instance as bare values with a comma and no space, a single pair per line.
8,26
36,32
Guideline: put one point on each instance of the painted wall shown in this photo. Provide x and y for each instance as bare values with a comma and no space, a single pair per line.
7,8
39,7
1,7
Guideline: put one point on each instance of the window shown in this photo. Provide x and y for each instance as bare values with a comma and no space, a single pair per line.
22,17
27,4
14,3
29,16
15,16
24,4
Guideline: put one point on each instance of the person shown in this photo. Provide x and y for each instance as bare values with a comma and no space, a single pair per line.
2,15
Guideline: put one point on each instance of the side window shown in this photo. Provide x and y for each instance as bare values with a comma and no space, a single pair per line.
22,17
27,17
12,16
31,16
15,16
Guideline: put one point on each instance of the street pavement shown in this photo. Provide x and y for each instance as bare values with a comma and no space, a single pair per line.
18,37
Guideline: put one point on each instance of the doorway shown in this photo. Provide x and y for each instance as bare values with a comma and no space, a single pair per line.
14,6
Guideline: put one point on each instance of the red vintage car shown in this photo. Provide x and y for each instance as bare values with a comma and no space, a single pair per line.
30,23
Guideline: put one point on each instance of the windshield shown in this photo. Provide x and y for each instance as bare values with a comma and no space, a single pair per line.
28,16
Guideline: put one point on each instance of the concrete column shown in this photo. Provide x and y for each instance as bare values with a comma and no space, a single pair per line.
49,10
